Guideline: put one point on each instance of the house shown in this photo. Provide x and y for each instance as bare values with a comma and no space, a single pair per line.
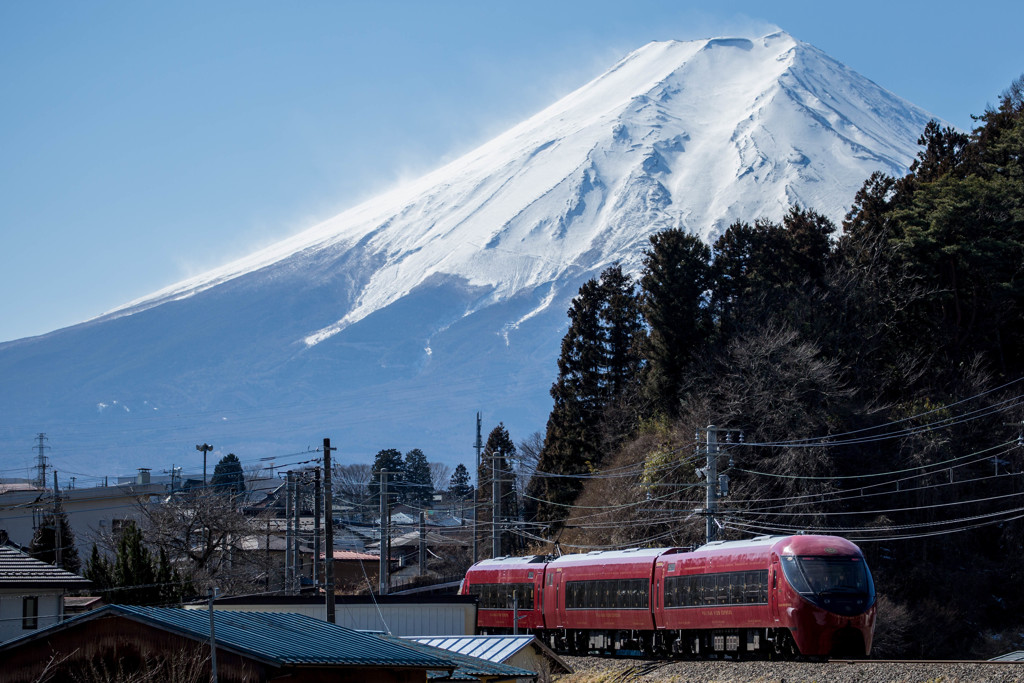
31,593
250,646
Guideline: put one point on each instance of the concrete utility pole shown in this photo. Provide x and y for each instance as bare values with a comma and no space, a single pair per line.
289,567
213,639
423,543
329,531
711,531
58,542
476,486
385,532
296,539
316,526
495,508
205,448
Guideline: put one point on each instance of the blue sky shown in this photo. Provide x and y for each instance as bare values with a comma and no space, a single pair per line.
143,142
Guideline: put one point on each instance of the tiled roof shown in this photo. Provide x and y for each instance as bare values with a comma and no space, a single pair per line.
351,555
279,638
19,570
469,668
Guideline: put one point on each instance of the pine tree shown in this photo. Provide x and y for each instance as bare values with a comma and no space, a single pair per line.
44,542
228,476
675,282
497,455
596,368
134,573
418,487
389,459
459,486
99,570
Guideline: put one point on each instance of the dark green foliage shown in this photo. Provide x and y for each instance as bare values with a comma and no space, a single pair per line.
495,463
675,285
133,575
389,460
459,486
417,484
597,370
44,542
228,476
100,571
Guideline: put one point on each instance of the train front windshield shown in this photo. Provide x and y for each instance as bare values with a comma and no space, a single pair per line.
841,584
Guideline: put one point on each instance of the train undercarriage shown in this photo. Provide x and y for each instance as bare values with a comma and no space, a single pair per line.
749,643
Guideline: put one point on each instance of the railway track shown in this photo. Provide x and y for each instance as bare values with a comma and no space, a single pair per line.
594,669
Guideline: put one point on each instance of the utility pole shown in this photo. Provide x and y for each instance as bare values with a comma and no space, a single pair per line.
316,525
711,532
329,531
205,448
296,538
476,487
423,543
289,567
58,542
213,639
385,532
495,508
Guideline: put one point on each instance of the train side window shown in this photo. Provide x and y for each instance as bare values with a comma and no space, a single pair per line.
671,584
764,586
551,579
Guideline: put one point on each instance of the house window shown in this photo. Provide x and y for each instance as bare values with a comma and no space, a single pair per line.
30,613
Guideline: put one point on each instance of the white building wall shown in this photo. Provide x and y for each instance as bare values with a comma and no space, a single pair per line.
11,603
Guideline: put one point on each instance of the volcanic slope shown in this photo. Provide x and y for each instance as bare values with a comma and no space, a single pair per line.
391,324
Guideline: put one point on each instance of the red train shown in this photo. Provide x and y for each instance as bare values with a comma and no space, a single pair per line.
772,595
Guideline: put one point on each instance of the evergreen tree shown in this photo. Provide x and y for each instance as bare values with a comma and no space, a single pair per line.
675,282
596,368
134,573
390,460
459,486
99,570
418,486
44,542
498,454
228,476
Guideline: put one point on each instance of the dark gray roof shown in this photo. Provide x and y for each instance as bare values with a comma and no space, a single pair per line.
18,570
275,638
469,668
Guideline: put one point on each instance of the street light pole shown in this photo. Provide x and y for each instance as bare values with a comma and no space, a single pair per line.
205,448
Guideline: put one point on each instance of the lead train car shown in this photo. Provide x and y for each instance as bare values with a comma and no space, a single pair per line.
776,595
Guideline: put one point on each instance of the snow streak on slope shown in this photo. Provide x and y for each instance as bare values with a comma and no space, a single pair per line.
677,134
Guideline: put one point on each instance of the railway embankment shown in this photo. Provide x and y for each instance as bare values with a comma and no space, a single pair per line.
598,670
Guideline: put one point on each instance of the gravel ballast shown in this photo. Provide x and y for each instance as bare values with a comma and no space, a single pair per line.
597,670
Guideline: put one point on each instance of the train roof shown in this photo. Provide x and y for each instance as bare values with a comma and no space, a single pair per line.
510,560
809,544
614,555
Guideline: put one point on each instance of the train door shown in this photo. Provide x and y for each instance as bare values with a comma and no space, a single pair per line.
559,605
773,589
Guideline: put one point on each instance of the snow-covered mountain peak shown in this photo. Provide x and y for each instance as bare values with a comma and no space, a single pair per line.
472,265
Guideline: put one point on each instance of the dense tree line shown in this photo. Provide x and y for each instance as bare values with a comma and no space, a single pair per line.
816,340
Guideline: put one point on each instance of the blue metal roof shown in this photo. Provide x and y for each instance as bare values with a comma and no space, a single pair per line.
278,638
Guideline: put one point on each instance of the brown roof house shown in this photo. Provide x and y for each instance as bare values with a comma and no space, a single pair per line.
31,593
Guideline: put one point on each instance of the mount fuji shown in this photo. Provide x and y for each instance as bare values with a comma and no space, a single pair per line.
393,323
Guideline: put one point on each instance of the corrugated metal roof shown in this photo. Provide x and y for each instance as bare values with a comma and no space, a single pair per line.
281,638
1017,656
18,569
470,668
491,648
